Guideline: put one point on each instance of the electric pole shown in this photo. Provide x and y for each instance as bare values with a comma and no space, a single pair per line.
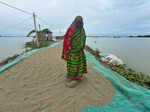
37,40
39,27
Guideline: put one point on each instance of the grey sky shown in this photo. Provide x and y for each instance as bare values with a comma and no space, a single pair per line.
100,16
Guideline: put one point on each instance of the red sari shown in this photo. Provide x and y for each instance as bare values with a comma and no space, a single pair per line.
74,42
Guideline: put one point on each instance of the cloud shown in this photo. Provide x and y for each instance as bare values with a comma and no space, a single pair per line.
100,16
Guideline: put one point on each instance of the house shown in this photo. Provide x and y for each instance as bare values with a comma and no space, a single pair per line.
45,35
48,36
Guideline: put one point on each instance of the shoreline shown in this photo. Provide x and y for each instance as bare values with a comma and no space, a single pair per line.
28,47
123,70
127,49
128,73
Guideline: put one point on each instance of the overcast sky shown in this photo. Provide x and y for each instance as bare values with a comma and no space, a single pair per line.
107,17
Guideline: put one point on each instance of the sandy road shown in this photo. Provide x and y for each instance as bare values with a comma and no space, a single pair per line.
38,83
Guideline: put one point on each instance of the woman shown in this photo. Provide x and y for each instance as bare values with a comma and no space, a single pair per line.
73,46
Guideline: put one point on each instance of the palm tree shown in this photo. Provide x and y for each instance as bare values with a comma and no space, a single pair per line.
30,33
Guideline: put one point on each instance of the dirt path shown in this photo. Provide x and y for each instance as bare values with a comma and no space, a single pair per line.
38,83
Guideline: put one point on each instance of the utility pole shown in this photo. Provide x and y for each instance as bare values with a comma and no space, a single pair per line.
39,27
37,40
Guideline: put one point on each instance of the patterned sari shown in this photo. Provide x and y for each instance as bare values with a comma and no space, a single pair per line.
73,50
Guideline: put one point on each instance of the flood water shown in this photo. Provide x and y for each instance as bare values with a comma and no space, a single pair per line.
135,52
10,46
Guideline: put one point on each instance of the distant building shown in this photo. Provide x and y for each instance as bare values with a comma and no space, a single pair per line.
48,36
45,35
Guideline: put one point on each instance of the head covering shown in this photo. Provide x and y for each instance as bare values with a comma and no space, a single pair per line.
77,24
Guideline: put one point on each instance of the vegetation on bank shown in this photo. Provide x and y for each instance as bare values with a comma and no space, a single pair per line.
32,45
130,74
140,36
9,59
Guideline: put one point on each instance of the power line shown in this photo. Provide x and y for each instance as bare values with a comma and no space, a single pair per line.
45,22
29,13
14,26
24,11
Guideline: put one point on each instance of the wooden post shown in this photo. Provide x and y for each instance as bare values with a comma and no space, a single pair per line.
37,40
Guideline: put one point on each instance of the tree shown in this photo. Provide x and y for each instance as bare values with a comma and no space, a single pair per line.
30,33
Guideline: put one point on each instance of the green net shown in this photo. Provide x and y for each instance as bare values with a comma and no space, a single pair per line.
129,97
104,55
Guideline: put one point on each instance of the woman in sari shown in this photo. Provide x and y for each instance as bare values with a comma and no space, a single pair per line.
73,50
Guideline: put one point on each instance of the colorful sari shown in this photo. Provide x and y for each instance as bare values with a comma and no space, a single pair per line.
73,50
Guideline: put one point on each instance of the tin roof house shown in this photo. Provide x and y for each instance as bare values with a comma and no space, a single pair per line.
43,35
